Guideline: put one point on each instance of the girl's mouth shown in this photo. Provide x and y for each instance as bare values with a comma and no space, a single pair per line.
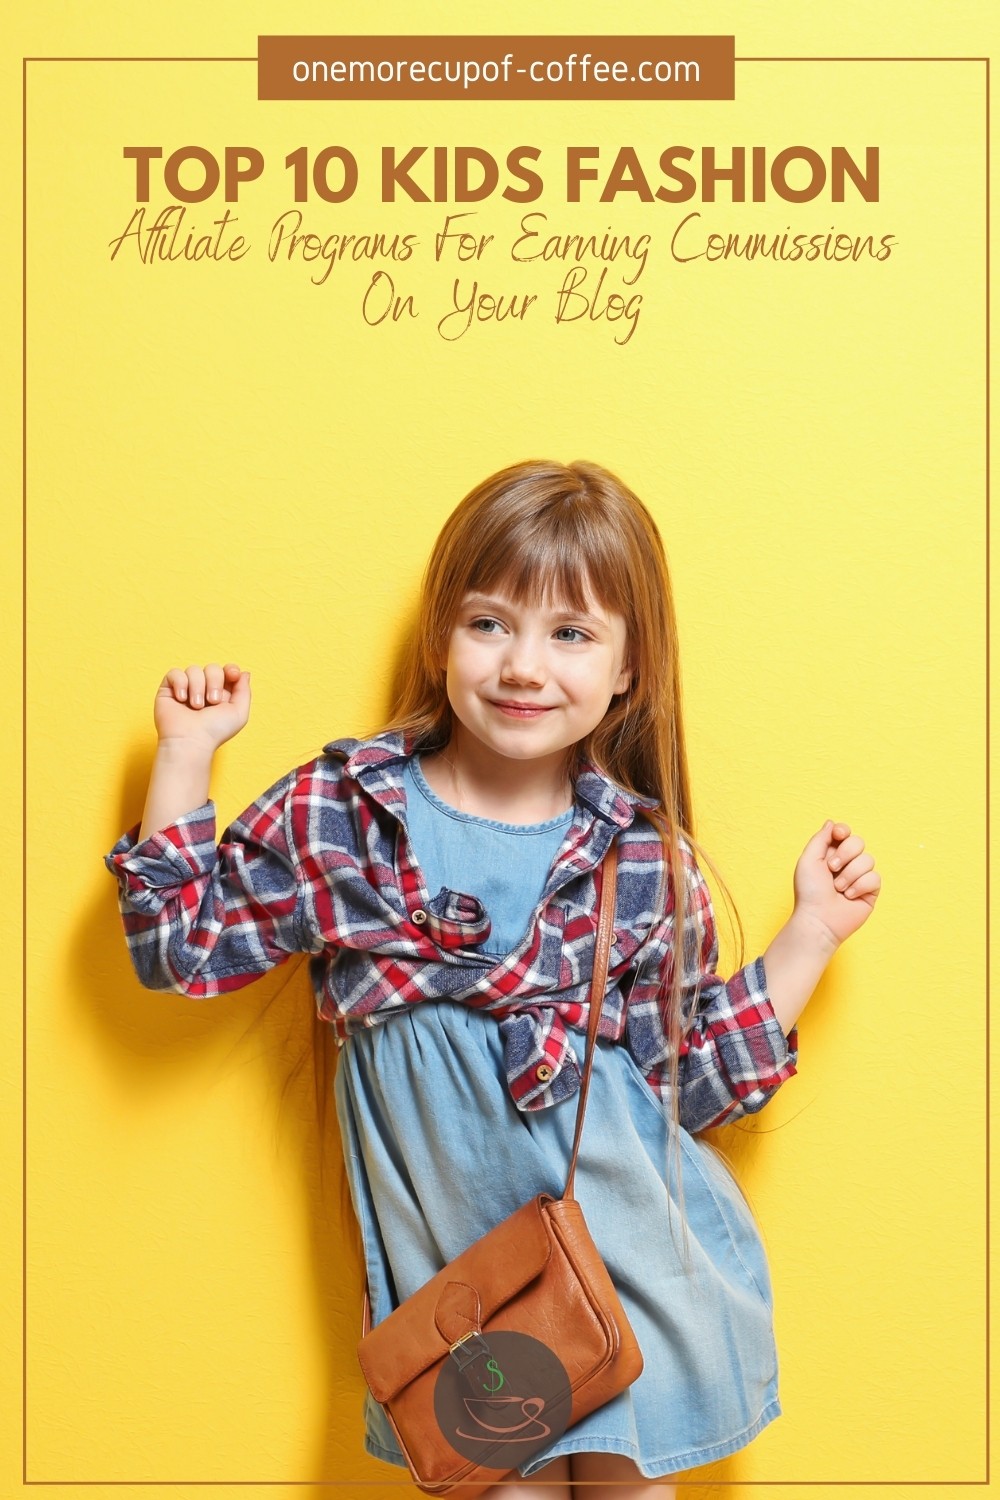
521,710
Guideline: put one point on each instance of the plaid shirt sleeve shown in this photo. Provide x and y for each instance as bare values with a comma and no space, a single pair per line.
203,920
734,1054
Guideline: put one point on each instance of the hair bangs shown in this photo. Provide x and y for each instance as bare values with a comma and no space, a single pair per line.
557,555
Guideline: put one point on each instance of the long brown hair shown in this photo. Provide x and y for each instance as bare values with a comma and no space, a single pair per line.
541,529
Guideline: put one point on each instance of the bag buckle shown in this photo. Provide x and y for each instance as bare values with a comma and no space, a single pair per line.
472,1346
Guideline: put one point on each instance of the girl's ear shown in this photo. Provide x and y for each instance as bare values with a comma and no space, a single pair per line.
624,681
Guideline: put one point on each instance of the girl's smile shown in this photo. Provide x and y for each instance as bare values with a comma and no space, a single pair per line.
521,710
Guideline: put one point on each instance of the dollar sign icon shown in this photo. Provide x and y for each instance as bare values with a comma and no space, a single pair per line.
494,1369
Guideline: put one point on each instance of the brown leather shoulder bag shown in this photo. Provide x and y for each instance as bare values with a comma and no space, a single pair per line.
517,1338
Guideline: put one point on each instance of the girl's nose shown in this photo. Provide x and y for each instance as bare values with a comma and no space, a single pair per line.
522,661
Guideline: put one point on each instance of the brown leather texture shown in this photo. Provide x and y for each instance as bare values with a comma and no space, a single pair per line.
498,1266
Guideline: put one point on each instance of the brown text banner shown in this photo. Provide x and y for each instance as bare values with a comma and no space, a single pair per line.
496,67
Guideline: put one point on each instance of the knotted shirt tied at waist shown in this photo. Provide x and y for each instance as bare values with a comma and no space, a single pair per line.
539,1058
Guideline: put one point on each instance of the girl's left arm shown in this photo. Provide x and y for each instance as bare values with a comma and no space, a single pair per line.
740,1041
836,886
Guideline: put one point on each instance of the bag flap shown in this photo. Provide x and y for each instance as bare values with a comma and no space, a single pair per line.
498,1265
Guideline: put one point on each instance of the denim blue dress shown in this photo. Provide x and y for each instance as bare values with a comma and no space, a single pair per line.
437,1154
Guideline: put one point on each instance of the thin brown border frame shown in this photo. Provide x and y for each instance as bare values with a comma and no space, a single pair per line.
333,1484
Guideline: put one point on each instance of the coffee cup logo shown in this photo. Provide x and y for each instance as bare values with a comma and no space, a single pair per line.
508,1401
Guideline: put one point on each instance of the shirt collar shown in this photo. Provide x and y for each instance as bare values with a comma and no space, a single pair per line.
369,762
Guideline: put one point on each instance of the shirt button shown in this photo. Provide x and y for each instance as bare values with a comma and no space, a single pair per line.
543,1072
420,916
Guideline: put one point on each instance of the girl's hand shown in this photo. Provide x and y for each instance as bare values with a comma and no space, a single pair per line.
203,706
836,883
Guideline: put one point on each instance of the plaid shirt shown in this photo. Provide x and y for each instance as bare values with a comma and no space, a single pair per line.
322,864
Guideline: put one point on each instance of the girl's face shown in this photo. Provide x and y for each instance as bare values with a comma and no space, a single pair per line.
530,681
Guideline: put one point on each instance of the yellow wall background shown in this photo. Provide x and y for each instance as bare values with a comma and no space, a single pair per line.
224,462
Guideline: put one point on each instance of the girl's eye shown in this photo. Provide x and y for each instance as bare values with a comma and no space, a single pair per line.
568,631
484,625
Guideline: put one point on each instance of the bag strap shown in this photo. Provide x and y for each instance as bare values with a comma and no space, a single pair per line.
598,986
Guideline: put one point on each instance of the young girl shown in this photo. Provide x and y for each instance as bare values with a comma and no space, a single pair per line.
442,875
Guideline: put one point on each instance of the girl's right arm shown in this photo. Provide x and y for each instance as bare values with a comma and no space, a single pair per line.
194,712
199,918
